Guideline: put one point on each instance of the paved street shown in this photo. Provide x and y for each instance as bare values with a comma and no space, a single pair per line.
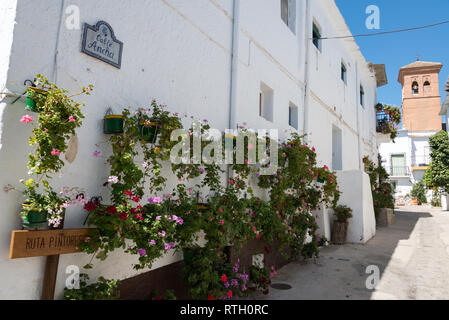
412,256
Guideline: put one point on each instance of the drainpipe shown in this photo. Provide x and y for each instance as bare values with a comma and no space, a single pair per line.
58,33
357,98
307,39
234,72
234,65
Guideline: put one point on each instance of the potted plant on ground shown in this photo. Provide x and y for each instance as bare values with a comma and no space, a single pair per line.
418,193
340,228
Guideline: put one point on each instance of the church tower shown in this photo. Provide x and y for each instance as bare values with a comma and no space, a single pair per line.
421,101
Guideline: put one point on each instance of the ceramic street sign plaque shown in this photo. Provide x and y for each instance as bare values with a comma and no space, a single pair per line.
25,244
99,42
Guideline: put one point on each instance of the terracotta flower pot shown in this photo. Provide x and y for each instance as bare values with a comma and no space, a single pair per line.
415,202
339,232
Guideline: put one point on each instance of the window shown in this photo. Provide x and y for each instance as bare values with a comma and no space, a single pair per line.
288,13
427,87
343,72
337,146
316,37
415,87
398,168
362,96
266,102
293,116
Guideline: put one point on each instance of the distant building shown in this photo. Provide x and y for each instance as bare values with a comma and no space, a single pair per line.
407,159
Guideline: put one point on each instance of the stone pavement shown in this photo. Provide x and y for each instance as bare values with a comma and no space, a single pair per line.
412,256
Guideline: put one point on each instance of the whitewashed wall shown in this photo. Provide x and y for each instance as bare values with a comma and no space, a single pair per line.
178,52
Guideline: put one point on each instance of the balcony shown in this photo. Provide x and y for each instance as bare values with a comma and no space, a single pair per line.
398,172
420,162
387,121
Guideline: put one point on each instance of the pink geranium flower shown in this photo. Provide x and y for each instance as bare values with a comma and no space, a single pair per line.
26,119
71,119
55,152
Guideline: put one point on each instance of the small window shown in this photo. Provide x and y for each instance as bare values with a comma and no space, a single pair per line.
316,37
266,102
288,13
293,116
343,72
362,96
415,87
426,87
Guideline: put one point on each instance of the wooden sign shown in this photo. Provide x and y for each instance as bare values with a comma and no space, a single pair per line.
26,244
100,42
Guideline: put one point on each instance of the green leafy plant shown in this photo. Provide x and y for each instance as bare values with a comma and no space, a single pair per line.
437,175
382,189
101,290
342,213
419,192
388,120
59,116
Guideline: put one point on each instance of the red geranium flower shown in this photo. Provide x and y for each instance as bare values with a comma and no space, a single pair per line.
90,206
210,297
224,278
123,216
229,294
136,199
128,193
111,209
158,298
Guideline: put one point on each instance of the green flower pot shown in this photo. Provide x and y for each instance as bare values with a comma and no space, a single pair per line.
34,219
149,131
31,103
202,207
113,124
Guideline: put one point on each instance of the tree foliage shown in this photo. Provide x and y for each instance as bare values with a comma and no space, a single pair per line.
437,175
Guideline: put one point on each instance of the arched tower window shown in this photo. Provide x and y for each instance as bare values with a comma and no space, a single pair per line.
426,87
415,87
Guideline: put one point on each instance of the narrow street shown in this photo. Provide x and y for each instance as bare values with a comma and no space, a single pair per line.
412,256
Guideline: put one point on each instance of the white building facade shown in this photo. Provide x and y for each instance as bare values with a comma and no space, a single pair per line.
211,59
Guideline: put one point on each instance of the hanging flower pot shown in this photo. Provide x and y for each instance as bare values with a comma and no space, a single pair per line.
113,124
149,131
33,219
202,207
31,103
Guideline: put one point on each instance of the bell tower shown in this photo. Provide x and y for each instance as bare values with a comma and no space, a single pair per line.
421,100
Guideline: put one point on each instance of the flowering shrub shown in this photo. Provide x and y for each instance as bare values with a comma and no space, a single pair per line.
231,216
150,228
59,116
209,277
382,190
388,119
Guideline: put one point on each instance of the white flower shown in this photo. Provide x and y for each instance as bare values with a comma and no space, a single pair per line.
113,179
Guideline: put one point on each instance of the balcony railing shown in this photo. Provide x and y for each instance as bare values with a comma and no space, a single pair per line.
402,171
421,160
384,123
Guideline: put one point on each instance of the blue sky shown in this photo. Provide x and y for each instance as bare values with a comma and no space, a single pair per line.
399,49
